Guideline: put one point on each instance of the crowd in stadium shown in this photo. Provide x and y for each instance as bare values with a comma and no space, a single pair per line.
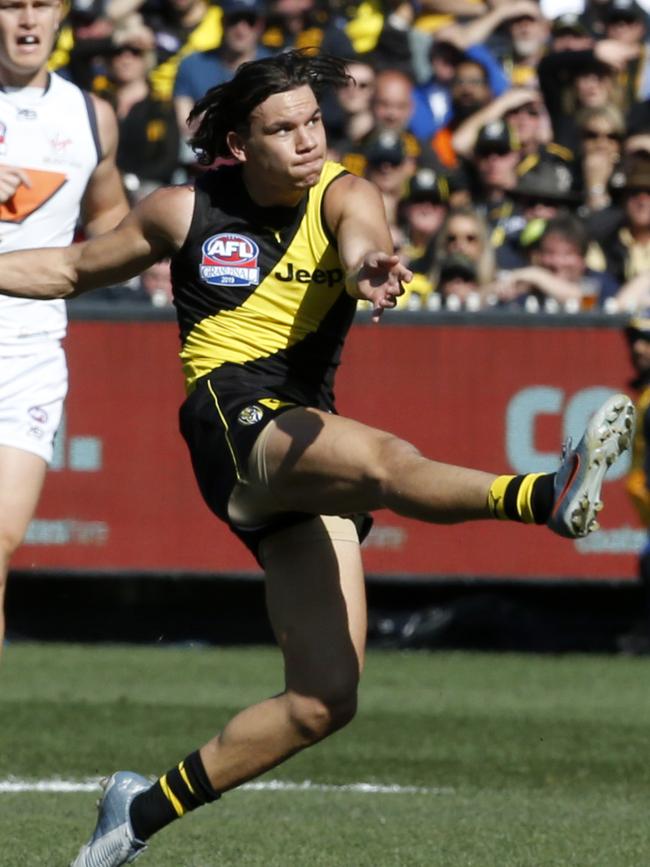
510,140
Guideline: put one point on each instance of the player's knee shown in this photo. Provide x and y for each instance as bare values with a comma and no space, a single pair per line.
393,456
315,718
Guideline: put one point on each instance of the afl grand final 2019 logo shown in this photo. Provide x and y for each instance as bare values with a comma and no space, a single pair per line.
229,259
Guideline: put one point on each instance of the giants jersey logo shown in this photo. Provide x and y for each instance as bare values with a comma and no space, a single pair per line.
229,259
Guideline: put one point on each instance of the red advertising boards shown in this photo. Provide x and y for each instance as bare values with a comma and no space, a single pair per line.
497,395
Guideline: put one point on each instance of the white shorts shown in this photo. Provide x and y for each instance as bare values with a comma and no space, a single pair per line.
32,390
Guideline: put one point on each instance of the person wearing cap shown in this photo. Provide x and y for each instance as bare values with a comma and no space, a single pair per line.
389,167
423,209
522,108
242,22
569,33
495,160
421,213
637,483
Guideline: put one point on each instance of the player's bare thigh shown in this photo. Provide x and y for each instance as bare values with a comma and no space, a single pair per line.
311,461
22,474
324,463
317,605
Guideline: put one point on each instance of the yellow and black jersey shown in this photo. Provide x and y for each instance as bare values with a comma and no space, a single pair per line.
260,292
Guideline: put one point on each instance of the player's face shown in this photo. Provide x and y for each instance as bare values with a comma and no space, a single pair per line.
27,32
284,150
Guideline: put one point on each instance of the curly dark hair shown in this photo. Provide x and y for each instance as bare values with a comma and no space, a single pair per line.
228,106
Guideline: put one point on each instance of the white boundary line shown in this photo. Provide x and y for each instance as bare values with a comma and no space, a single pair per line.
12,786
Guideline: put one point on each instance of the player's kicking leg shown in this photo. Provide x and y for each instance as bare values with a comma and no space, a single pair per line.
317,461
578,482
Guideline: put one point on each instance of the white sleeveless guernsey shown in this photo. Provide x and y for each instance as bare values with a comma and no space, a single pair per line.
52,135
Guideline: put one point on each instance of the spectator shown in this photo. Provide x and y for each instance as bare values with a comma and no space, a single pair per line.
242,24
147,154
569,33
156,284
540,195
495,162
306,24
601,133
558,270
84,37
389,167
627,244
464,233
392,101
634,295
528,33
423,210
421,213
349,119
432,97
573,80
626,24
524,112
470,91
180,27
391,107
433,100
458,280
400,47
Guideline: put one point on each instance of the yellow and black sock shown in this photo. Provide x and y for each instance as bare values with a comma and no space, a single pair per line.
177,792
527,498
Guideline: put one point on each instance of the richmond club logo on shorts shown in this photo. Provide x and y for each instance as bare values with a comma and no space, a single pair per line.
250,415
229,259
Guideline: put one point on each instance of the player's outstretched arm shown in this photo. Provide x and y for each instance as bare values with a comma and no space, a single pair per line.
355,212
156,228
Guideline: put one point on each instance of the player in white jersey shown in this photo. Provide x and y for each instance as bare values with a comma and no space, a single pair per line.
57,167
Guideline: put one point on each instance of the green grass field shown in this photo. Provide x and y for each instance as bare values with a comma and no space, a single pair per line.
523,761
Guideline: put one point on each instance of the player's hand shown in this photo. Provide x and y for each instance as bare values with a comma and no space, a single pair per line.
10,179
379,280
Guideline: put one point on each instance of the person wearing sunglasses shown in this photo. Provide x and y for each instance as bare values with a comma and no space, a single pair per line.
147,154
602,131
464,234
